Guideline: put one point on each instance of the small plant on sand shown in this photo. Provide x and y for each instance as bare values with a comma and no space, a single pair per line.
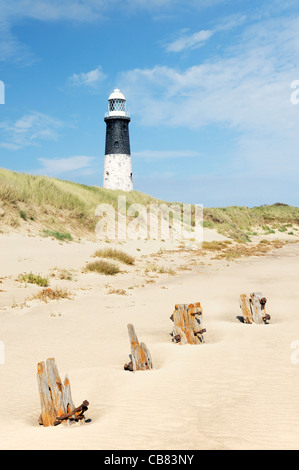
34,279
159,269
23,215
117,291
52,294
58,235
62,274
102,267
216,245
113,253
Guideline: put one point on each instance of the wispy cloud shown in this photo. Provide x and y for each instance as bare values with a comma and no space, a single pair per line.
246,90
13,12
189,41
63,166
90,79
30,129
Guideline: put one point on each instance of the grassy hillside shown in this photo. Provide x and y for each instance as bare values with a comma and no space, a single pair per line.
53,205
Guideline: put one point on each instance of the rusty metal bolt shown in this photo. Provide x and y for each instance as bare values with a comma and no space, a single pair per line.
129,366
196,333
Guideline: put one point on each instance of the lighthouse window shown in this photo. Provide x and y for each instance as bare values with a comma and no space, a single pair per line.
116,144
117,105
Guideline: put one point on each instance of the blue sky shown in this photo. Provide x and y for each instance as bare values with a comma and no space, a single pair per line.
208,87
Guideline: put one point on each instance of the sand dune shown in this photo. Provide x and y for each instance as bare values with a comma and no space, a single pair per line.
239,390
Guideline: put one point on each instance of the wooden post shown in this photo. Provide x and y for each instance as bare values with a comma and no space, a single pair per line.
246,309
56,399
187,324
55,385
48,412
140,355
254,308
67,397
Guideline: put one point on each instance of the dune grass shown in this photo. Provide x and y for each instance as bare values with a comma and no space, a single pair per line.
116,254
66,207
31,278
58,235
102,267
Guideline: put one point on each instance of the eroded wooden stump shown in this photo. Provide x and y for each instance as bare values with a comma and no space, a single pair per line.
254,308
140,355
56,398
187,327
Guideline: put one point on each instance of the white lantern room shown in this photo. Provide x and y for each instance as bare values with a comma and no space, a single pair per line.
117,104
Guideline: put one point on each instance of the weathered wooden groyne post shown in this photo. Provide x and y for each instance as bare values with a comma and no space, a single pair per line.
56,398
187,319
140,355
254,308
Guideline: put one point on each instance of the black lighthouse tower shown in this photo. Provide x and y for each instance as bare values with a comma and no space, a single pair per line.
118,165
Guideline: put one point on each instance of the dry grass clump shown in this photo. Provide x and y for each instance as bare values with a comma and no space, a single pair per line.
52,294
117,291
102,267
216,245
62,274
113,253
33,279
239,250
159,269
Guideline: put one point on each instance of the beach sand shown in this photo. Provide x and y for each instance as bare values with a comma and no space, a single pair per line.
238,390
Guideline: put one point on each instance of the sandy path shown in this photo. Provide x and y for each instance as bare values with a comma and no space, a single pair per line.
238,390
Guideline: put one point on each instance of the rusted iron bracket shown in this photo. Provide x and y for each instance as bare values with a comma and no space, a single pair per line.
78,412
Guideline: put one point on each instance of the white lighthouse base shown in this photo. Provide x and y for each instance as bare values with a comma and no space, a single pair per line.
118,172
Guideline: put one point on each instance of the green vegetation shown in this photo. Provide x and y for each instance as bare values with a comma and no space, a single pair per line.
235,221
57,235
102,267
34,279
57,203
113,253
23,215
68,209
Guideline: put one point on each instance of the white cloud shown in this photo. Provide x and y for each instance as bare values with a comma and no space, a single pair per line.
30,129
188,41
13,12
59,166
89,79
191,41
245,90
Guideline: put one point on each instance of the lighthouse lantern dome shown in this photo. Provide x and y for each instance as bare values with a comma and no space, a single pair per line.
117,103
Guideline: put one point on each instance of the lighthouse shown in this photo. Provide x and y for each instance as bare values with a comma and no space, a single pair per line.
118,165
